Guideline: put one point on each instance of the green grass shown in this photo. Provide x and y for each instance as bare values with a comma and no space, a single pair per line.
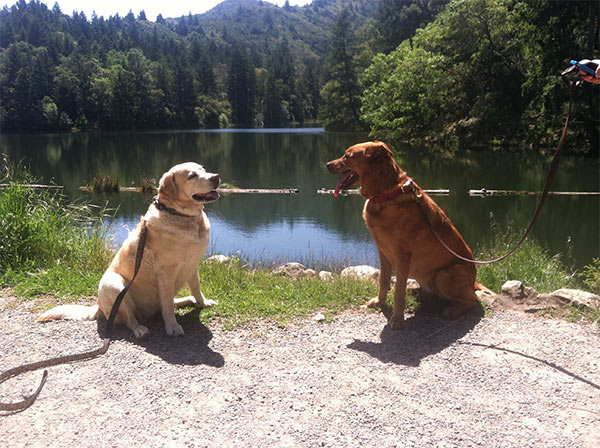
245,294
530,263
590,276
49,245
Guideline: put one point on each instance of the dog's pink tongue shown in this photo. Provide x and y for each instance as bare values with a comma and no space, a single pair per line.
341,183
338,187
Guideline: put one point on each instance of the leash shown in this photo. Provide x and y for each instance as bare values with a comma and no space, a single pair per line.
28,401
418,193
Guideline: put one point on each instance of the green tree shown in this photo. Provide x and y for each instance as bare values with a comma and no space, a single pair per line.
397,20
341,94
185,95
122,99
241,87
212,113
475,76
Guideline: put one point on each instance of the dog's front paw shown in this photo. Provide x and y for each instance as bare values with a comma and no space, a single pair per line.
207,303
373,303
174,329
141,332
396,321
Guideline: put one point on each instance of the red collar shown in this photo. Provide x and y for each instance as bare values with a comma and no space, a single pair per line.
406,187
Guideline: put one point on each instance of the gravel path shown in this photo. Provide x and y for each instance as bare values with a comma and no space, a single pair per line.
508,380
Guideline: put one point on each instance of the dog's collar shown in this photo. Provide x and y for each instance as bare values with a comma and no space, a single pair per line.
162,207
406,187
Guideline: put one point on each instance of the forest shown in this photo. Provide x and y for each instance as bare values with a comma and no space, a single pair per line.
449,74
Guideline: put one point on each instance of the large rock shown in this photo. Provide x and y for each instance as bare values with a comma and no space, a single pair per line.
577,298
514,289
517,290
517,296
363,272
294,270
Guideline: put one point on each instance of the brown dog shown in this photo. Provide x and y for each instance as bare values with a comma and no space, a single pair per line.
404,239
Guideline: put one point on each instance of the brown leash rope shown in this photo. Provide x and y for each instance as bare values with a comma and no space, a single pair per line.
28,401
549,179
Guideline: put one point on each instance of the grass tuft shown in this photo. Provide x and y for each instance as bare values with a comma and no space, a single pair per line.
530,263
49,245
148,185
104,184
590,276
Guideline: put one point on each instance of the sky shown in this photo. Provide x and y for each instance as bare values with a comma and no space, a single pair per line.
169,8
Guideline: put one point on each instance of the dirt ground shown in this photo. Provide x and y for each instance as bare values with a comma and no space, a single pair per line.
507,380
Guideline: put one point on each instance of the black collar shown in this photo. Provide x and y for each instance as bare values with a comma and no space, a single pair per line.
162,207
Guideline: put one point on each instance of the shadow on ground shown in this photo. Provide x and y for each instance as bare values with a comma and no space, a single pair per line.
423,334
189,349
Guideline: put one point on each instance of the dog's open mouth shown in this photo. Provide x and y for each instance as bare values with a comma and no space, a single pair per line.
349,179
207,197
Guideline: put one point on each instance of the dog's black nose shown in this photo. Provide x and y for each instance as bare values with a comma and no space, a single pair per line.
216,180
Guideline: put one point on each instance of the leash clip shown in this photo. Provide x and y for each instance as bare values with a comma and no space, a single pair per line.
417,194
576,79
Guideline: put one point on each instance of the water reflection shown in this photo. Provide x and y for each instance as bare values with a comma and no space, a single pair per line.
310,226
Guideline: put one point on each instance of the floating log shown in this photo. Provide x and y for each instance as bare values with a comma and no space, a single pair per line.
93,190
259,190
486,192
222,190
40,186
439,192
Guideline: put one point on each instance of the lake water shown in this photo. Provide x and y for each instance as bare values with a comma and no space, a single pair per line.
309,227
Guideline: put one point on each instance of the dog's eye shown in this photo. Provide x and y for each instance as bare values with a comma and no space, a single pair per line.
346,156
192,175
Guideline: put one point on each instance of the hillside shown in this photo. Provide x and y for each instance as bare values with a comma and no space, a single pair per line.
465,74
245,62
262,25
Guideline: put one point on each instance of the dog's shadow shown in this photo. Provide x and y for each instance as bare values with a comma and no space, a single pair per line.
189,349
423,334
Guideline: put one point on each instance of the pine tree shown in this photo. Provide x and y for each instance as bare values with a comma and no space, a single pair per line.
341,93
241,87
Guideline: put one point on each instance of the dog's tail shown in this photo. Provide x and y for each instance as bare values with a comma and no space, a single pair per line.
480,287
72,312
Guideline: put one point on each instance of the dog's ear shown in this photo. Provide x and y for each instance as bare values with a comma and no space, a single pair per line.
377,149
382,163
167,187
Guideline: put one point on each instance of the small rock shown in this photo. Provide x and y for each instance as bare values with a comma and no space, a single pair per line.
319,317
294,270
363,272
218,259
412,285
326,276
